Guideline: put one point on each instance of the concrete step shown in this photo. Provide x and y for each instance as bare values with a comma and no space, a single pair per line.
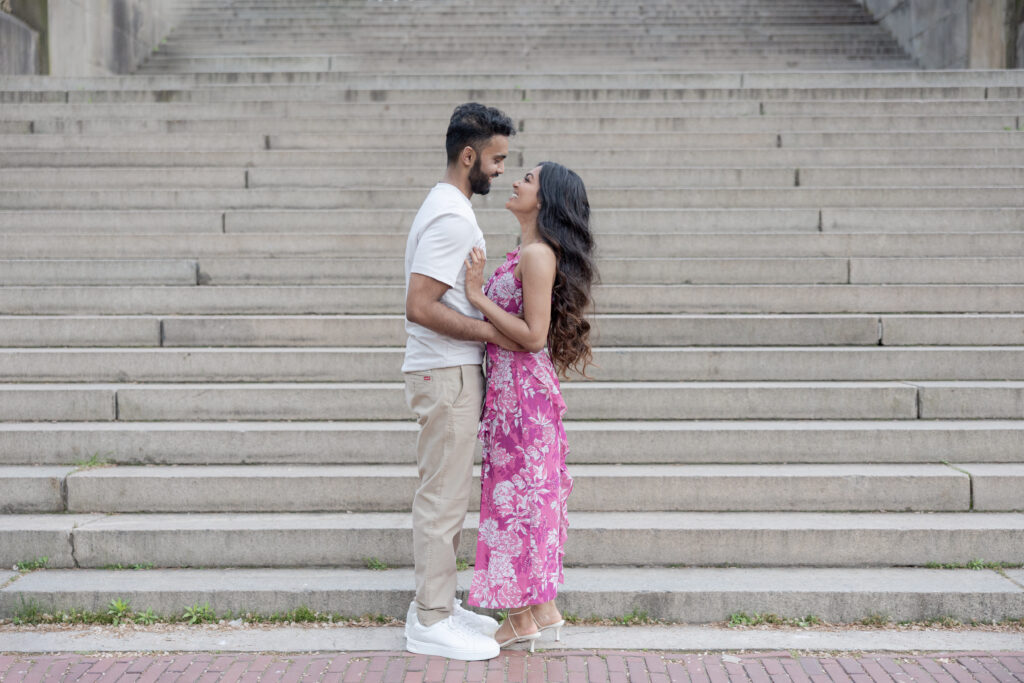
493,74
599,442
601,488
675,35
501,77
582,60
826,400
355,270
596,158
440,26
388,330
902,330
163,178
694,61
849,176
608,330
689,595
313,87
614,197
637,271
611,125
230,38
622,233
749,539
519,86
583,63
613,364
528,141
312,235
433,23
439,109
98,272
597,488
317,52
205,177
310,47
246,55
122,178
374,299
320,52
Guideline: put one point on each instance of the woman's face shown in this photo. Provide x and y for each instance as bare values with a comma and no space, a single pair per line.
524,201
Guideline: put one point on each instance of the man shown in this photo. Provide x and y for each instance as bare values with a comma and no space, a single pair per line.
444,385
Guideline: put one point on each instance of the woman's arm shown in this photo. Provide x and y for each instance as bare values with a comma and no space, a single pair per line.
423,306
537,264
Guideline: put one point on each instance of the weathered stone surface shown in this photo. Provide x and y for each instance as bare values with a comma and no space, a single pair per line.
95,39
19,46
28,489
996,487
308,488
691,595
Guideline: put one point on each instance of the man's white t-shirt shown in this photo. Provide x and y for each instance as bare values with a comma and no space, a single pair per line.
442,235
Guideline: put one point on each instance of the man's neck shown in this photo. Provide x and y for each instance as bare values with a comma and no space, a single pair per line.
452,177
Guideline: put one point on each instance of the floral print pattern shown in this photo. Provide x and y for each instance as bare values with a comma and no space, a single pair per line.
524,481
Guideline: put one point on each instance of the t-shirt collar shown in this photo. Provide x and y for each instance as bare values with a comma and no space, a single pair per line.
456,191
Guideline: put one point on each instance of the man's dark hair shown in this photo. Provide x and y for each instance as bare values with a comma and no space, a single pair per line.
472,125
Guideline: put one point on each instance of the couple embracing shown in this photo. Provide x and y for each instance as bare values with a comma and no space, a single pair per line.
525,327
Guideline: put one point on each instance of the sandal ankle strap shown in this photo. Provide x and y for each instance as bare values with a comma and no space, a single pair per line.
510,622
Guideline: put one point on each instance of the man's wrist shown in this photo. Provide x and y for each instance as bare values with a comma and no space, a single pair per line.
490,333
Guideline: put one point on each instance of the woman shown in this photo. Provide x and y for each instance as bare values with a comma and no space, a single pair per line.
537,299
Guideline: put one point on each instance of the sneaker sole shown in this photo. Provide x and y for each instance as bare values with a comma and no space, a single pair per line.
434,650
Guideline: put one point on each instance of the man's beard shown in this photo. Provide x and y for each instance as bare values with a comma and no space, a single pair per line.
479,183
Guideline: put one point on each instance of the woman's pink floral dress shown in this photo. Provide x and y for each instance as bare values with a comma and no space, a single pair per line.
524,482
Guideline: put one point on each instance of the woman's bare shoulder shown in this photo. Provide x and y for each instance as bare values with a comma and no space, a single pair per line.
538,252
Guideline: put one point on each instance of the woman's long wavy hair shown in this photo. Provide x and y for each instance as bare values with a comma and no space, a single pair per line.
564,224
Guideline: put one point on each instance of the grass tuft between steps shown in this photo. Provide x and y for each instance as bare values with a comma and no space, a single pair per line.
119,612
976,564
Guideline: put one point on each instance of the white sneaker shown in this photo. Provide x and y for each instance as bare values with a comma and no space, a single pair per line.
449,638
477,622
411,615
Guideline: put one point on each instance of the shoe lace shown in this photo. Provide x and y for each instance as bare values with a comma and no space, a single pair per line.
462,614
461,626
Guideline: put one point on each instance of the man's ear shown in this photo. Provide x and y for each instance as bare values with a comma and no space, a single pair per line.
468,156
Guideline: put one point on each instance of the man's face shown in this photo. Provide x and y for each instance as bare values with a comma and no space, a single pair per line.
489,164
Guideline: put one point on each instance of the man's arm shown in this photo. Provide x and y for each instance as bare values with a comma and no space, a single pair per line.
423,306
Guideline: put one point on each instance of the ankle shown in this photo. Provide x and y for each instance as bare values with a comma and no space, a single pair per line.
547,613
522,620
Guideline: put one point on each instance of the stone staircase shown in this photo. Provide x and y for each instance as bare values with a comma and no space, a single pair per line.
810,325
357,36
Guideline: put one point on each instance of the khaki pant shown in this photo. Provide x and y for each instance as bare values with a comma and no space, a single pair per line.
447,403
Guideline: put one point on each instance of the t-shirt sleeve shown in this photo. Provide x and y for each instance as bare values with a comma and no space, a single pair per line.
444,247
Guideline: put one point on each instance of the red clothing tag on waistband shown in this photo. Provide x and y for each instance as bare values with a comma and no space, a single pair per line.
426,378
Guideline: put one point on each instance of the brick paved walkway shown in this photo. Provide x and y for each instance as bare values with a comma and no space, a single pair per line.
561,667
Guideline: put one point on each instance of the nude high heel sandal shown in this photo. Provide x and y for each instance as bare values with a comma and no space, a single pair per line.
531,638
556,625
